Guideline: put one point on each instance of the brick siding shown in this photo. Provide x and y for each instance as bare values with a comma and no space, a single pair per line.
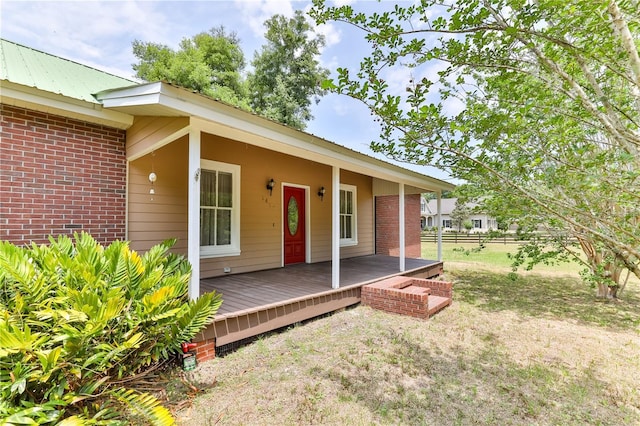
59,176
387,229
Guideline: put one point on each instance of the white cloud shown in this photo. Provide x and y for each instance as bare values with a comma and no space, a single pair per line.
331,63
86,32
332,35
255,13
398,78
453,106
431,70
339,3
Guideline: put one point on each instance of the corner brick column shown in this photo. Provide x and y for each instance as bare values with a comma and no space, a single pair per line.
387,232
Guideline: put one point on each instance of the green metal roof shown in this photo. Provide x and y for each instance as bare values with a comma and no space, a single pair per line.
33,68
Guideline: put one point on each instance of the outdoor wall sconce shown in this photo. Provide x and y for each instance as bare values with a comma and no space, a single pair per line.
321,192
270,186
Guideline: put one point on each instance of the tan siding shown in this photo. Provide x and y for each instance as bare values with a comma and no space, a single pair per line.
412,190
261,213
385,187
151,221
365,220
146,240
147,131
321,222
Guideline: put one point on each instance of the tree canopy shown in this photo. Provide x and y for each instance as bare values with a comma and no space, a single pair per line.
287,75
209,62
285,80
535,104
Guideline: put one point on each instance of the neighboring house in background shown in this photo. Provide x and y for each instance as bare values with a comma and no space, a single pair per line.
83,150
429,216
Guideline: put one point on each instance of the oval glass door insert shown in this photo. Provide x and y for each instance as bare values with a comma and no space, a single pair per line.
292,213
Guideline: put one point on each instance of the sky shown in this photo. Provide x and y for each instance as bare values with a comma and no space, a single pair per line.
99,34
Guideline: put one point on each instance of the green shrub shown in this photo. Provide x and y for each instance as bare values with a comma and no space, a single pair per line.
77,320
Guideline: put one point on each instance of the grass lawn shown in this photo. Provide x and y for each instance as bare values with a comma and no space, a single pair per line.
531,349
493,255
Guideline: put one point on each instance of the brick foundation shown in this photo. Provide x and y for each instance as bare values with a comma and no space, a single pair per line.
388,231
59,176
416,297
205,350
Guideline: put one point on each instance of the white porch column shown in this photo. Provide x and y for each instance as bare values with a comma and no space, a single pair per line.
335,227
439,219
193,228
401,227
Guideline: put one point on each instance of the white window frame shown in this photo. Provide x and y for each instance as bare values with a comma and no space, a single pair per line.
477,222
446,222
232,249
353,241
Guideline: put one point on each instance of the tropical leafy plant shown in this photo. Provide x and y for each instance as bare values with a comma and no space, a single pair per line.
78,321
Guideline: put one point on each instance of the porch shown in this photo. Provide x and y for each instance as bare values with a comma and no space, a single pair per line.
258,302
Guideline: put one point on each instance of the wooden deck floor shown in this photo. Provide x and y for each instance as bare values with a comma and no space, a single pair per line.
258,302
251,290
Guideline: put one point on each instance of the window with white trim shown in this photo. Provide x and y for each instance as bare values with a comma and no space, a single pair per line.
219,209
477,223
348,216
446,223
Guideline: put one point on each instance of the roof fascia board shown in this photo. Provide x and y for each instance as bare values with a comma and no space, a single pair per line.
329,157
38,100
142,94
130,91
344,160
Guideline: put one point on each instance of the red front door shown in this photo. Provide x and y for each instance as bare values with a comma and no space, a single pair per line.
294,225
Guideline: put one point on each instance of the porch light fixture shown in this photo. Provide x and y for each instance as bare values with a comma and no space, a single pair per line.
152,176
152,179
321,192
270,186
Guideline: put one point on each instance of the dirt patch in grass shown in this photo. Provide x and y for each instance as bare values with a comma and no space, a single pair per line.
534,350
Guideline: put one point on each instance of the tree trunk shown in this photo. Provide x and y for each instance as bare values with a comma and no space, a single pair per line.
603,291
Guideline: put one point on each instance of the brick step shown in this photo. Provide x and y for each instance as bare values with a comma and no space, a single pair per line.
437,303
416,297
